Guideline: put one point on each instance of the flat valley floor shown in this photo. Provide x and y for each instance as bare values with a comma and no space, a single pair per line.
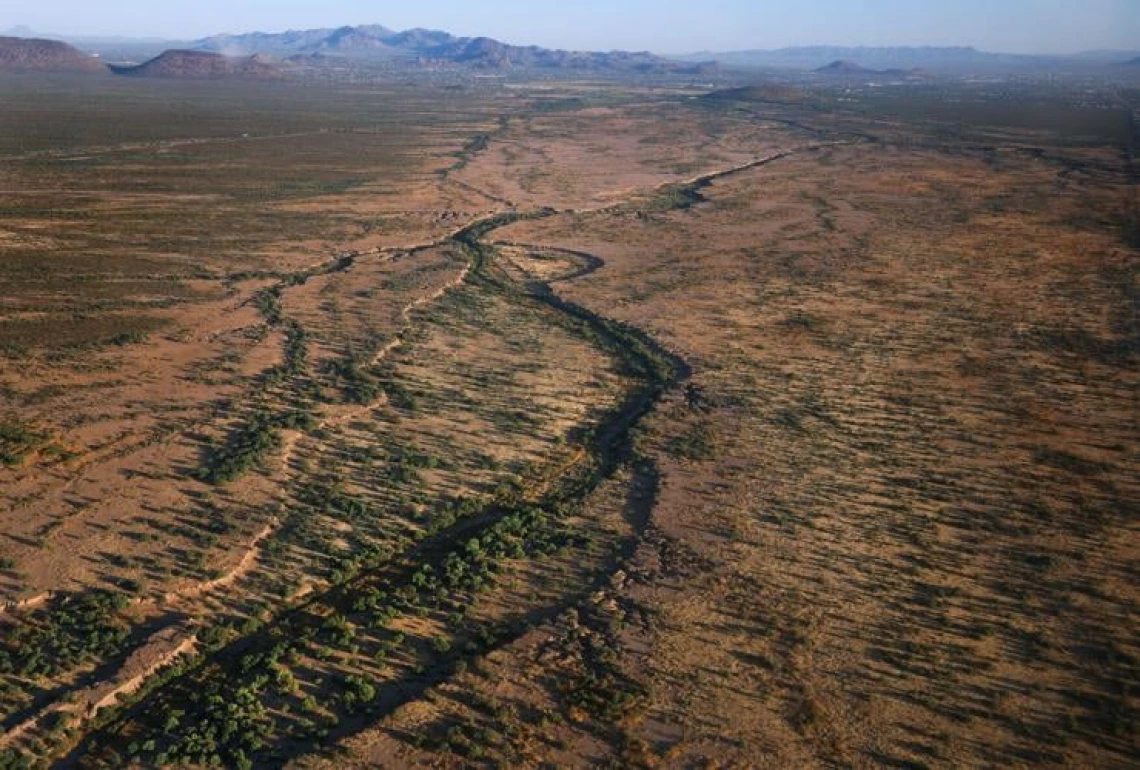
566,424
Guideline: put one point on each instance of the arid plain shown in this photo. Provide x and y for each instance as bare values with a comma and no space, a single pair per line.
566,423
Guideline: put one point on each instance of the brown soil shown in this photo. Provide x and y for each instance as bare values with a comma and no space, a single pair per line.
880,515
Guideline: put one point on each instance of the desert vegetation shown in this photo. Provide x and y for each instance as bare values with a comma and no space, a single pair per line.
577,423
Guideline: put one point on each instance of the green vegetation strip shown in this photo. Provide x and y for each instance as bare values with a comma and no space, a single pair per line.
240,705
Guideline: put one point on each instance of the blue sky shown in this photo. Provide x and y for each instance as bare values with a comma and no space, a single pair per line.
666,26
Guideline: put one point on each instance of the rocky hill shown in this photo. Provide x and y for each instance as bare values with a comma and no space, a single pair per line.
201,65
20,54
843,67
851,69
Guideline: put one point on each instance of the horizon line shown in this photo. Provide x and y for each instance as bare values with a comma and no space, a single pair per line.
690,52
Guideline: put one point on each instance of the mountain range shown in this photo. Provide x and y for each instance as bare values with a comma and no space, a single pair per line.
363,45
942,60
376,44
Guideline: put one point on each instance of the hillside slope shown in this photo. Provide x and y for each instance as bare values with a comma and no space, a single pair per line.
203,65
19,54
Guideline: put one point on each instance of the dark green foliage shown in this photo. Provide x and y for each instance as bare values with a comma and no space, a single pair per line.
74,630
11,759
296,349
268,303
471,148
228,729
800,320
245,447
357,385
129,338
17,441
606,692
477,144
449,514
676,197
601,687
358,693
331,499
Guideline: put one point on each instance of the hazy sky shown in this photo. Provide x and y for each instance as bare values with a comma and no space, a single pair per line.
666,26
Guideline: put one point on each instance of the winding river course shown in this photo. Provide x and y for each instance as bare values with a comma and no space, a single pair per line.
608,448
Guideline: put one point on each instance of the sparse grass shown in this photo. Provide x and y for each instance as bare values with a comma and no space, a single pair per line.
899,469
